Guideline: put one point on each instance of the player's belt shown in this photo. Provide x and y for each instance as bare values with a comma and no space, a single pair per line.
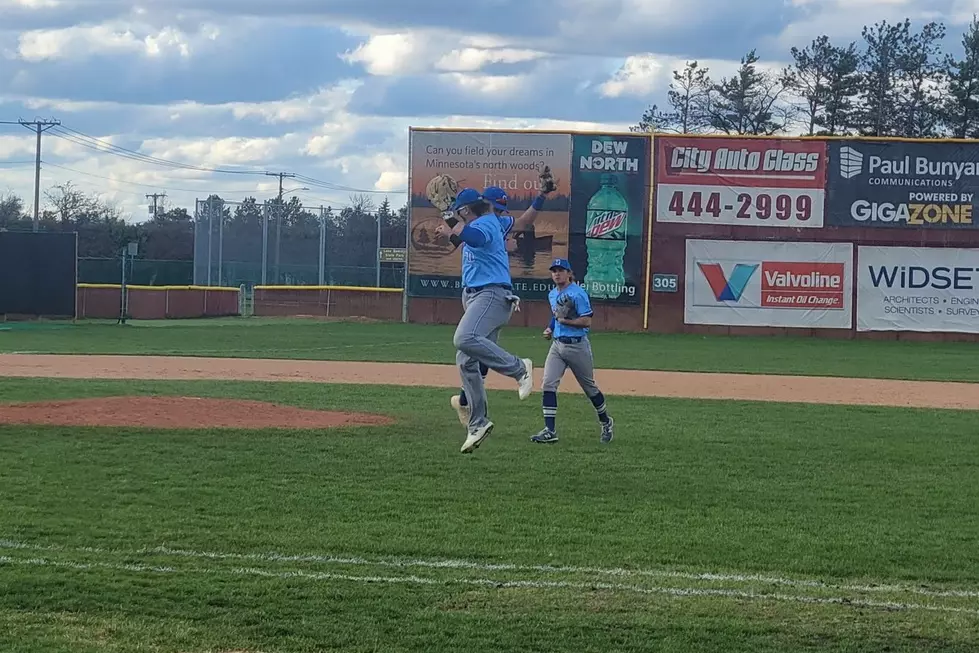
489,285
569,340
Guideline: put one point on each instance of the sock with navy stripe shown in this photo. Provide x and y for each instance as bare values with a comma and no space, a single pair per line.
599,402
550,409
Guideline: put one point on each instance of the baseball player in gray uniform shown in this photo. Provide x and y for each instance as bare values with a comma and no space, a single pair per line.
497,198
568,332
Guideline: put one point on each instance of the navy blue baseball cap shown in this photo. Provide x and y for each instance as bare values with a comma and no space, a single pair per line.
496,196
465,197
561,263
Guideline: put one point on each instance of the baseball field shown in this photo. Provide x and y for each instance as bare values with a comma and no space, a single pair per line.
279,486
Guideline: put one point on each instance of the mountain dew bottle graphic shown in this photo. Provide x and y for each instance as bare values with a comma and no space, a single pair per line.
606,228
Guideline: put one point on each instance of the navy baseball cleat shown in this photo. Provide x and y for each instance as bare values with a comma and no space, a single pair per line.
545,436
607,430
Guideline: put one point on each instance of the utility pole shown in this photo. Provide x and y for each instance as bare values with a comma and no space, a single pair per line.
39,127
155,196
278,217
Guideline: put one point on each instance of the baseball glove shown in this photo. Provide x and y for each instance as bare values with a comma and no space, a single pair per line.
547,183
565,308
441,191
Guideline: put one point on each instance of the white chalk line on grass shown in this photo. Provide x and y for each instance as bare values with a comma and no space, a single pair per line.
496,584
407,563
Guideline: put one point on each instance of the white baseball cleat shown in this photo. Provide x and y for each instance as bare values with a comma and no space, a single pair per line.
527,380
476,437
462,411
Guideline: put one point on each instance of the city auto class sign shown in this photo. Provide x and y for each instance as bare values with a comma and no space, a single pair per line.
741,182
902,185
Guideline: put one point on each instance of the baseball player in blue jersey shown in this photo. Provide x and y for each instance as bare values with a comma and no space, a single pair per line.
489,302
497,198
568,332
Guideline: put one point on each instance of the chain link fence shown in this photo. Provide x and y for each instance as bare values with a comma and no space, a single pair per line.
286,243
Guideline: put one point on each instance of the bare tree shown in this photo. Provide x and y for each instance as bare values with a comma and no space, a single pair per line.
752,101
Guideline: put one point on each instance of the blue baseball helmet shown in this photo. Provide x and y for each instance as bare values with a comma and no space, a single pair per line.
496,196
465,197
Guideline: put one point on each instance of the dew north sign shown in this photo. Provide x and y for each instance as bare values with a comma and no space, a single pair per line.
902,185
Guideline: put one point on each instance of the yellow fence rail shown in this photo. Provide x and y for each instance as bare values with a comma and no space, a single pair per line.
116,286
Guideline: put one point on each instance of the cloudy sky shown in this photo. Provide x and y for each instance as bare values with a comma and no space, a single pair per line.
328,88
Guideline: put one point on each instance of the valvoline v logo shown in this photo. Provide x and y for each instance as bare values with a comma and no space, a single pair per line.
727,288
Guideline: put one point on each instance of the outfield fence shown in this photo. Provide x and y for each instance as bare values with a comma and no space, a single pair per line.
250,244
106,301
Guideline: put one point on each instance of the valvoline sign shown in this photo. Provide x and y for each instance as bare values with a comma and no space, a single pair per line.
784,284
768,283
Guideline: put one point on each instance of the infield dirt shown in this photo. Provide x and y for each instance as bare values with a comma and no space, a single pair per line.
694,385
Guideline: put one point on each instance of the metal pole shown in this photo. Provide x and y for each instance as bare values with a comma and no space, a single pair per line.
322,247
265,242
197,226
122,290
37,179
221,245
377,253
210,233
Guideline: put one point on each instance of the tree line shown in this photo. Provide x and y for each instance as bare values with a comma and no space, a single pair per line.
897,81
169,235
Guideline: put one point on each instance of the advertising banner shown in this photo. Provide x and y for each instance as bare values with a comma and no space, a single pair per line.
609,193
768,284
476,159
918,289
740,181
902,185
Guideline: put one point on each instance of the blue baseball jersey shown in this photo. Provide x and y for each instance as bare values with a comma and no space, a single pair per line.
507,221
582,304
489,263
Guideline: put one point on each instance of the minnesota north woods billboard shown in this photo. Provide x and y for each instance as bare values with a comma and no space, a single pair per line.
595,218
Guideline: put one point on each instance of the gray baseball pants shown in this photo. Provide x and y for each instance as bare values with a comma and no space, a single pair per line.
487,310
574,355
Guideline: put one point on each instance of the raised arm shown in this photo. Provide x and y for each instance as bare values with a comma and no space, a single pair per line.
527,217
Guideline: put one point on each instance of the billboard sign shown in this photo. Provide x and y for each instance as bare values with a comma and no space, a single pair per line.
929,289
595,218
768,284
740,182
609,193
477,159
903,185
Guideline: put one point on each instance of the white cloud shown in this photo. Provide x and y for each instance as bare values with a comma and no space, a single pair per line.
79,41
648,74
216,152
490,85
409,53
473,58
390,54
640,75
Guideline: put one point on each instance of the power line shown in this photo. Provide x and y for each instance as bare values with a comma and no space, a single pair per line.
155,187
93,143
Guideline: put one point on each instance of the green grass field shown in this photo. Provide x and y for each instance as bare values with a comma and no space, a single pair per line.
356,341
705,526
